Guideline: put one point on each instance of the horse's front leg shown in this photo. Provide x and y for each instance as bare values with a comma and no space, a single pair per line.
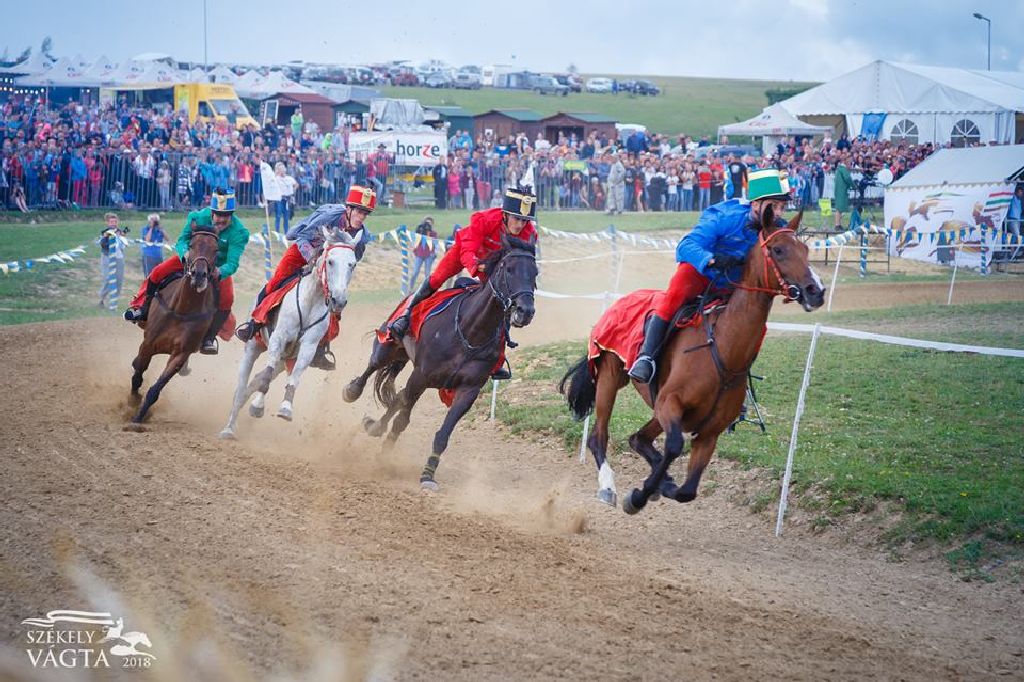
701,450
464,399
305,356
642,443
140,364
252,351
260,384
174,363
674,441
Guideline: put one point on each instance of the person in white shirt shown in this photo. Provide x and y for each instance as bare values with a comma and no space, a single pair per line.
282,209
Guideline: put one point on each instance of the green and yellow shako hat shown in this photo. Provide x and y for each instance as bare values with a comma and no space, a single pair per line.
520,202
767,183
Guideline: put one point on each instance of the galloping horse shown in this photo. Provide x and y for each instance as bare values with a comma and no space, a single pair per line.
456,349
301,321
183,312
701,380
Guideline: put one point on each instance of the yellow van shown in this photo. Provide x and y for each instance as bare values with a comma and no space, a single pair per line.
208,102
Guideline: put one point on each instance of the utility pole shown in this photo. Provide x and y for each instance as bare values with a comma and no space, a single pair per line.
979,15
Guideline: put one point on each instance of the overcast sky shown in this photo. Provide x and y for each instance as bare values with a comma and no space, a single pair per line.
811,40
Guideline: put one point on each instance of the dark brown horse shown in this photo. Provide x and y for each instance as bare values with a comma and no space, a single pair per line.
457,349
701,380
179,316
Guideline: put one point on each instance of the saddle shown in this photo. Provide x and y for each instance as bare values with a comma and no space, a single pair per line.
434,305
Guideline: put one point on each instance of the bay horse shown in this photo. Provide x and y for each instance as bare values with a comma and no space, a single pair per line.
295,330
702,371
457,349
179,316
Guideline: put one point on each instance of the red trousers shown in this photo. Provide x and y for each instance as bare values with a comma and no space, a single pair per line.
449,266
290,263
686,285
169,267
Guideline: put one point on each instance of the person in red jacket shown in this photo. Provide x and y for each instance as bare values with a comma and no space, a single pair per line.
474,243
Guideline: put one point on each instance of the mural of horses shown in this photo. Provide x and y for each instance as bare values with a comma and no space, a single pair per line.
301,321
179,318
701,380
456,349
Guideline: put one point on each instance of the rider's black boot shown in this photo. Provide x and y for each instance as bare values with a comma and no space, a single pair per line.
140,314
654,333
209,345
400,326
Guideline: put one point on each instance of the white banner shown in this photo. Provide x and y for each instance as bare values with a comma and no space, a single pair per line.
406,149
929,223
271,190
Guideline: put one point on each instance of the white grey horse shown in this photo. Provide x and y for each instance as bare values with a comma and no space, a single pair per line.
302,319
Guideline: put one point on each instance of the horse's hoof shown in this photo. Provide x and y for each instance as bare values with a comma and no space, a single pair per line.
256,411
352,392
227,434
655,496
608,496
430,485
285,414
185,371
135,398
627,503
134,427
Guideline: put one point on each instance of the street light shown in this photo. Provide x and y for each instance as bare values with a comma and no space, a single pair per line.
978,15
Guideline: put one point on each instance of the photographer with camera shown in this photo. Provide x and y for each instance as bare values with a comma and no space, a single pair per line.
111,255
152,250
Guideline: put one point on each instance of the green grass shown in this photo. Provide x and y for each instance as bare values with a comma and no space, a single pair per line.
935,435
695,106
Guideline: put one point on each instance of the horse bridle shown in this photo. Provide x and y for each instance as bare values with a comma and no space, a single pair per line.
508,301
321,270
790,292
190,262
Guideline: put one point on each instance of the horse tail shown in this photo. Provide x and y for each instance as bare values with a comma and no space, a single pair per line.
581,390
384,383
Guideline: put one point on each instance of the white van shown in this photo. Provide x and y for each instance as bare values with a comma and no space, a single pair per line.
599,84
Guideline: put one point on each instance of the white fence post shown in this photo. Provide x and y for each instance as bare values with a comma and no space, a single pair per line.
784,495
835,278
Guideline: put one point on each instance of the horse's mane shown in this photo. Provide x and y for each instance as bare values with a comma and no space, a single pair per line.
511,244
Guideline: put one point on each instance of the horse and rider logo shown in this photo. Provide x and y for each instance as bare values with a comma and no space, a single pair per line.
69,639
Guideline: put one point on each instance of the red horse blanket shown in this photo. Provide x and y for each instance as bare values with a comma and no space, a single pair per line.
272,300
621,329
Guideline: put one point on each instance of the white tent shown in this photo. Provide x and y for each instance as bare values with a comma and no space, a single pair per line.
102,69
771,124
35,64
198,75
223,74
64,73
919,104
261,87
955,198
146,75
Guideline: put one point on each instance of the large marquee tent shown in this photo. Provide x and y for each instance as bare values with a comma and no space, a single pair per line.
918,104
772,124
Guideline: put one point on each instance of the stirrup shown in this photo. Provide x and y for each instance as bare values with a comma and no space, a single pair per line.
322,361
209,347
502,374
643,369
133,315
247,331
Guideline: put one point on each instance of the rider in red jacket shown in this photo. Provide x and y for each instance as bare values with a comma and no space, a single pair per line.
473,244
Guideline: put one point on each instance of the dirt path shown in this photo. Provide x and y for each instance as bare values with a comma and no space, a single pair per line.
300,550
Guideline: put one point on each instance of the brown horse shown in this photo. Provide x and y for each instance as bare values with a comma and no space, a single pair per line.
701,380
180,317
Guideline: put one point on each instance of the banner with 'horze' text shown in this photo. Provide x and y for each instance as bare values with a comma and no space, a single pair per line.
406,149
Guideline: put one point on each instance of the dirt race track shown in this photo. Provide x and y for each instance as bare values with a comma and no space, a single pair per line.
302,552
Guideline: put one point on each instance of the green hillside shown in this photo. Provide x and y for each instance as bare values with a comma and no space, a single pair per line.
696,106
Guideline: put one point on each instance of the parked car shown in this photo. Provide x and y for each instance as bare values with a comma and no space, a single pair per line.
599,84
642,87
467,80
570,81
438,79
724,150
547,85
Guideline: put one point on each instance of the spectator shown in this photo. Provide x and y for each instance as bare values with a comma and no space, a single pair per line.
440,174
282,208
424,251
152,250
616,185
843,184
111,258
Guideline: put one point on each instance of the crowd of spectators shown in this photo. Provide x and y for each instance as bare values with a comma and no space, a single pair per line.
123,157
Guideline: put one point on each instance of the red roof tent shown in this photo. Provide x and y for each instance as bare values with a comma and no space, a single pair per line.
315,108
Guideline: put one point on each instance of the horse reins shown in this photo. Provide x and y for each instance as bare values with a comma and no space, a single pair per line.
790,291
189,266
321,271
